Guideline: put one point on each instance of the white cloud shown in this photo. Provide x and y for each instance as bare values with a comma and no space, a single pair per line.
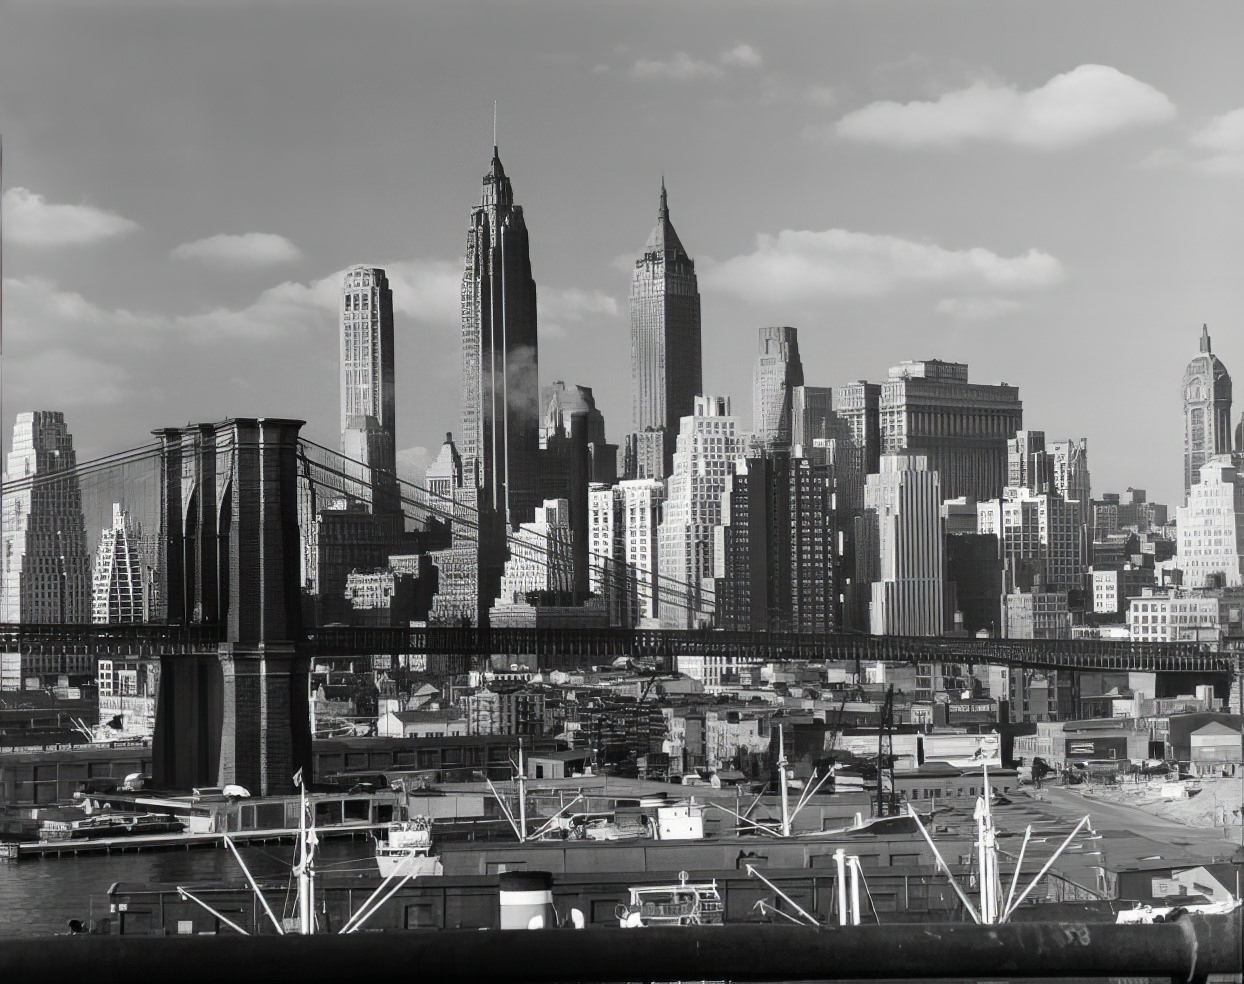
250,249
801,265
1088,102
741,56
679,68
821,95
977,308
31,220
557,305
682,67
1222,141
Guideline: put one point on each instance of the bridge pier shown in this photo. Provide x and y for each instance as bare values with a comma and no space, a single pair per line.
230,530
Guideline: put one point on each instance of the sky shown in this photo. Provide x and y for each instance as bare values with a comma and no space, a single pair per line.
1048,191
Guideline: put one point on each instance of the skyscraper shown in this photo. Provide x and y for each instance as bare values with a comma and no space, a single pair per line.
500,390
1211,527
929,408
666,372
47,567
118,583
777,372
368,415
1207,411
903,505
707,443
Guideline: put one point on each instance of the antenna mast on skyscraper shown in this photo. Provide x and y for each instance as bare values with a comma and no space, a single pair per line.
494,128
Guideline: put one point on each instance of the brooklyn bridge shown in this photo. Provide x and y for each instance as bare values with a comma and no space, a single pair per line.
235,655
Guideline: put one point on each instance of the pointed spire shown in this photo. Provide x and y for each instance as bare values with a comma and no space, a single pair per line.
1205,347
663,238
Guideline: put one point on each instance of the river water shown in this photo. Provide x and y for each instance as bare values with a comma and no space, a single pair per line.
39,896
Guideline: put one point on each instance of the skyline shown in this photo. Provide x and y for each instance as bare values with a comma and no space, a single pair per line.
182,197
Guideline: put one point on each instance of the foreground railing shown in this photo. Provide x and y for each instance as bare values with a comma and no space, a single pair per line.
1191,948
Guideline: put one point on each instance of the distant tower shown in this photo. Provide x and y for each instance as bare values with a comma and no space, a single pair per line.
777,372
118,582
500,391
666,372
368,417
47,567
1207,411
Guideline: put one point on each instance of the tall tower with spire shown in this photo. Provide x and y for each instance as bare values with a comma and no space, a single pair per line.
500,391
1207,411
666,371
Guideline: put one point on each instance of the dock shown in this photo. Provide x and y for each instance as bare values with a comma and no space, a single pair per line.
181,840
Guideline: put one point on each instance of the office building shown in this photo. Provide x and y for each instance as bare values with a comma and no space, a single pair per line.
444,479
666,370
708,442
1207,411
1071,471
500,391
624,520
1042,539
902,511
930,408
117,586
777,372
774,552
812,416
1211,527
368,414
47,566
1027,463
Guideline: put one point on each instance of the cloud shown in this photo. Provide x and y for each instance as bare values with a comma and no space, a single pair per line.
682,67
558,305
1088,102
741,56
30,220
250,249
977,308
821,95
1222,141
800,265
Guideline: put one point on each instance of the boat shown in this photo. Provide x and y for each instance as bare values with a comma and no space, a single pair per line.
109,825
406,849
683,903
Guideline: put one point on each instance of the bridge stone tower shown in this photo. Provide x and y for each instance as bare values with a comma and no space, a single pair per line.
229,522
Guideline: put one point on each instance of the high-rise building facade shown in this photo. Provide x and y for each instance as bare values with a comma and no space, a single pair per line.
708,442
774,553
666,370
777,372
903,511
1207,411
1071,471
624,519
812,416
1211,527
929,408
1042,537
117,588
1028,464
500,387
368,414
47,566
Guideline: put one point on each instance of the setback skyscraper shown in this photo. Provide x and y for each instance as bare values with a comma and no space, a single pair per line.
368,415
118,584
1207,411
777,372
47,567
666,372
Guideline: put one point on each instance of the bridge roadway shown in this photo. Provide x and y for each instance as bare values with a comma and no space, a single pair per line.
555,647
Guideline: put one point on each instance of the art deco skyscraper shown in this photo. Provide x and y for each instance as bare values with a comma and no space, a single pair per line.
47,567
1207,411
777,372
118,583
666,371
368,417
500,391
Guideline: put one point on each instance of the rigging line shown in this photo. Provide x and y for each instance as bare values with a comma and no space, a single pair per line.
119,460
